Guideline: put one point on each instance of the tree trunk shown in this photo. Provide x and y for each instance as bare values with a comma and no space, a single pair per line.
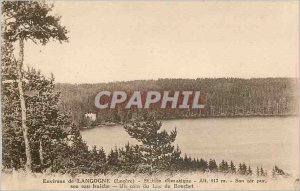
41,153
23,106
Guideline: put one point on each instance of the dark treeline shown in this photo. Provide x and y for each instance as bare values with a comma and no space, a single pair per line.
224,97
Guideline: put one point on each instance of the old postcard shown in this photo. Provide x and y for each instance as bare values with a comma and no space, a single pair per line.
150,95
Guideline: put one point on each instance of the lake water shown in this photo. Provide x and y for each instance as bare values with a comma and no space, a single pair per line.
257,141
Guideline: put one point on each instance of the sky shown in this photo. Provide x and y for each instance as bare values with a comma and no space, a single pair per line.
121,41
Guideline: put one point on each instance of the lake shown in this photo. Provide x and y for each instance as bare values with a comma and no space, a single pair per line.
257,141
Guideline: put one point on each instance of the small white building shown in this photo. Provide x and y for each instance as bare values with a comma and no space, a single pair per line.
91,116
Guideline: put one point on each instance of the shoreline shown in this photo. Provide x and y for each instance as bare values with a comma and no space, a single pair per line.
113,124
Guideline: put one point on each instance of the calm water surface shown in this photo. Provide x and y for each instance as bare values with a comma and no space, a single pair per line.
255,141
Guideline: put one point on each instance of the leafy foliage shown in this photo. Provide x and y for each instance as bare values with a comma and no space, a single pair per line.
156,145
48,126
31,20
24,20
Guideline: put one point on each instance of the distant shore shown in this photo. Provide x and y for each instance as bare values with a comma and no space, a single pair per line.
113,124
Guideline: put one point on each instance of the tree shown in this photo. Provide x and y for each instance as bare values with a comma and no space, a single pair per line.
11,142
113,160
73,157
48,126
176,159
203,165
98,161
156,145
232,167
257,171
223,167
242,169
29,20
278,171
262,172
130,158
212,165
249,171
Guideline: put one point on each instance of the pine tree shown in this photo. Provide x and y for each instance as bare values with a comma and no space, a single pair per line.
278,171
48,126
261,171
190,163
28,20
203,165
156,145
130,158
257,171
223,167
226,167
212,165
102,155
242,169
73,157
176,159
113,161
12,147
232,167
249,171
98,161
186,162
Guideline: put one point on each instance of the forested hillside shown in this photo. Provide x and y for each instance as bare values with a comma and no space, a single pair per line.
224,97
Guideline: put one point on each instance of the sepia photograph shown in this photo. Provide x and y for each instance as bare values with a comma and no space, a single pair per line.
150,95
